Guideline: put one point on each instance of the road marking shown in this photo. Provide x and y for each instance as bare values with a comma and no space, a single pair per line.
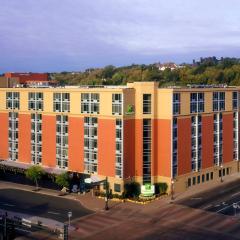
226,207
208,206
55,213
8,205
235,194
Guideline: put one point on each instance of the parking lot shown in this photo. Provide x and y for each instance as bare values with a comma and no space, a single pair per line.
224,199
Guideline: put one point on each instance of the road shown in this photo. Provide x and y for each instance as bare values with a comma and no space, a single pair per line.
40,205
219,199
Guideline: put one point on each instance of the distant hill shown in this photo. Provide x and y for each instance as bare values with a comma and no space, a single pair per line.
206,71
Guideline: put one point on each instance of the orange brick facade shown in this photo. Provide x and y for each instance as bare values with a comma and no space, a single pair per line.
86,152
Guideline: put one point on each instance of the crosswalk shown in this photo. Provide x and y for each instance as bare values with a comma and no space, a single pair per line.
94,224
195,220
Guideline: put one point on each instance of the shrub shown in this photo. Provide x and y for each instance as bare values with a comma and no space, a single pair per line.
132,190
62,180
161,188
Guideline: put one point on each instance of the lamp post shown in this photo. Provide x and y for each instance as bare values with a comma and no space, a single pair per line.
221,172
107,193
172,190
69,218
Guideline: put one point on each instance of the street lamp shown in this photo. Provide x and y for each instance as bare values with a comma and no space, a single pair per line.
221,172
69,218
172,190
235,206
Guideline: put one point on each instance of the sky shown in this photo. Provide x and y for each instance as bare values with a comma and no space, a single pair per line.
72,35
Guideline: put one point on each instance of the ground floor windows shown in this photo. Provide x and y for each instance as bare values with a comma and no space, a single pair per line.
117,187
205,177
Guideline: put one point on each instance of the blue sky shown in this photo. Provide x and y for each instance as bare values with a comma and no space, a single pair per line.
58,35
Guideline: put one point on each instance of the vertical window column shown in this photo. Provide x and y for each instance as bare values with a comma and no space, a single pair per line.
174,147
62,141
196,143
119,148
90,144
235,135
147,150
218,144
13,135
36,138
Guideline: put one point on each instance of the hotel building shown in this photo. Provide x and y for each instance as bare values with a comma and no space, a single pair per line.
136,132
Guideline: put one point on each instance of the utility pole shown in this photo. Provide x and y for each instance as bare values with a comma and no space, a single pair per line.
107,194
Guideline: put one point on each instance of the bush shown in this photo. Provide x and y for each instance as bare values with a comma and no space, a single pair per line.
62,180
132,190
161,188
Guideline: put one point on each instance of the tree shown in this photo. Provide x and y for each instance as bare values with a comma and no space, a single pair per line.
34,173
62,180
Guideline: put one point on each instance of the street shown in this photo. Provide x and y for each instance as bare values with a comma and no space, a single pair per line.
40,205
224,199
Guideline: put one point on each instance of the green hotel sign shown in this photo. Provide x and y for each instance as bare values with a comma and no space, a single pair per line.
130,109
147,190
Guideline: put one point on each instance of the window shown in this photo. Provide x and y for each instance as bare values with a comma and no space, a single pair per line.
147,103
235,100
197,102
90,103
198,179
211,175
194,181
117,187
117,104
189,182
176,103
61,102
35,101
207,177
203,178
218,101
12,100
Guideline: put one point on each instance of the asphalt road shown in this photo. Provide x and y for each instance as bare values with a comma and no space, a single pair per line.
40,205
219,199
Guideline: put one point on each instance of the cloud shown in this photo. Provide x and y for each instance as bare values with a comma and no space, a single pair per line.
82,32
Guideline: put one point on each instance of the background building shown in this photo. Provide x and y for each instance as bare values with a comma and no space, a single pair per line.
136,132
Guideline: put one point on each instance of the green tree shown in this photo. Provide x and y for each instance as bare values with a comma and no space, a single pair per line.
62,180
34,173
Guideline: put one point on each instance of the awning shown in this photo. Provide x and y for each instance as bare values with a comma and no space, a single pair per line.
10,163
